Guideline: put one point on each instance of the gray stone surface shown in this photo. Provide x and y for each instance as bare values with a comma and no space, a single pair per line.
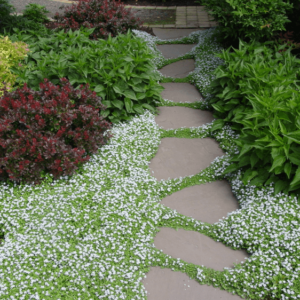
167,34
208,202
165,284
179,69
179,157
194,247
177,117
180,92
174,51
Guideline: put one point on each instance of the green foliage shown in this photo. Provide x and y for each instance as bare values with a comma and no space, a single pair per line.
35,12
5,10
258,91
120,70
255,19
10,55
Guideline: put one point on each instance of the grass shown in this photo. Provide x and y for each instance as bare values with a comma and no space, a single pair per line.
90,236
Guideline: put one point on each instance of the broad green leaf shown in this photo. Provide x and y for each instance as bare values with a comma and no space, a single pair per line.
218,124
231,168
296,179
138,108
280,185
249,174
130,94
105,113
107,103
99,88
287,169
278,161
147,106
128,104
117,103
253,159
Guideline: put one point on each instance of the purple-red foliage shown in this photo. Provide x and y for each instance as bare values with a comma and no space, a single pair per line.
52,130
106,16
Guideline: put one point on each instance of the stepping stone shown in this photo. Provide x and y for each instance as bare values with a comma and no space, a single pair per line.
177,117
179,157
174,51
180,92
194,247
179,69
165,284
206,202
167,34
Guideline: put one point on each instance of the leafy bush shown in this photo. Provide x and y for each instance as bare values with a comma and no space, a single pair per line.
107,17
120,69
258,91
248,20
52,130
35,12
10,54
5,10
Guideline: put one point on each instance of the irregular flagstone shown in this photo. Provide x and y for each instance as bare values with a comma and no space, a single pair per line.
174,51
165,284
180,92
194,247
179,69
179,157
177,117
208,202
167,34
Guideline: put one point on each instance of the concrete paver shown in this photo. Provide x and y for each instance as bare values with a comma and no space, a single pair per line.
179,157
179,69
165,284
174,51
168,34
180,92
208,202
194,247
177,117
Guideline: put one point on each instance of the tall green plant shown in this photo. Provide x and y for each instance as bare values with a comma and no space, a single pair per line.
258,92
120,70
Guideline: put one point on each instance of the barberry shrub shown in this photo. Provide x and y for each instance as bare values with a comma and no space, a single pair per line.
107,17
53,130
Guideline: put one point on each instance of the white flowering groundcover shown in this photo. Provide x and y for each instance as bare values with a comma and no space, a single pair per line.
90,236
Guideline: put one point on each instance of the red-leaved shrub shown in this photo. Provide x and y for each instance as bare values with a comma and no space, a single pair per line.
106,16
52,130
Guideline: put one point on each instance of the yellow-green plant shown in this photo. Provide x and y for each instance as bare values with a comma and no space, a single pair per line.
10,55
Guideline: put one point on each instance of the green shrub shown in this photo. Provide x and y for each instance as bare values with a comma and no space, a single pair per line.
248,20
10,55
35,12
258,92
120,69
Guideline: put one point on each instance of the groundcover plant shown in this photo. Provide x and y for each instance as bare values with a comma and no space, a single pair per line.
90,236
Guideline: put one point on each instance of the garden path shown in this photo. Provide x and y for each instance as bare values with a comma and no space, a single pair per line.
179,157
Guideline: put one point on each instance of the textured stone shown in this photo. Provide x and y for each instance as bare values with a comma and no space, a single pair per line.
194,247
177,117
208,202
179,69
165,284
180,92
179,157
174,51
167,34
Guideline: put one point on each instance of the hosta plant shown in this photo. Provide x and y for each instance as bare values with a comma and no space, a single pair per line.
53,130
120,69
107,17
258,92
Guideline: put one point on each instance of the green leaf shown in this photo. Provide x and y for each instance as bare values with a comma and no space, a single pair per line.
231,168
253,159
280,185
249,174
117,103
218,124
138,108
296,179
99,88
130,94
287,169
278,161
105,113
107,103
147,106
128,105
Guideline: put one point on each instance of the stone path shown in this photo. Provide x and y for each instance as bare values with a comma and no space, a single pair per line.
210,202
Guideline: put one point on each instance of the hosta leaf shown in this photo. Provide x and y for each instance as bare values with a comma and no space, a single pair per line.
249,174
138,108
278,161
130,94
218,124
147,106
117,103
105,113
107,103
231,168
260,178
128,105
140,96
295,158
253,159
99,88
245,149
245,160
